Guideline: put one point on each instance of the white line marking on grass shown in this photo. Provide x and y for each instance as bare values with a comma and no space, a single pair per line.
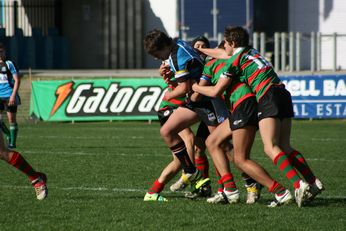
79,188
102,189
83,137
96,153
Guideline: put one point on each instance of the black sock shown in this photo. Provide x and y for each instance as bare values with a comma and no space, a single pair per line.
179,150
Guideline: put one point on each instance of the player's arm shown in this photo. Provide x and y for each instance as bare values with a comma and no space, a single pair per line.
16,85
196,95
215,53
213,91
180,90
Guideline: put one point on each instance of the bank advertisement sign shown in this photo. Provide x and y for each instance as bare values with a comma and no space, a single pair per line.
82,100
317,96
314,96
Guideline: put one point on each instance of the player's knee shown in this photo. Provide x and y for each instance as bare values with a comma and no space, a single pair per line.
239,160
210,143
164,132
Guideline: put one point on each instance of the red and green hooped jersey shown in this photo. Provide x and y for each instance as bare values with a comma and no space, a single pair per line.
236,92
172,102
248,66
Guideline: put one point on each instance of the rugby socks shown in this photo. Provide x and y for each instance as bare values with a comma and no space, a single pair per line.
219,186
202,164
157,187
228,182
282,161
4,129
18,161
247,179
277,189
299,162
13,134
219,182
179,150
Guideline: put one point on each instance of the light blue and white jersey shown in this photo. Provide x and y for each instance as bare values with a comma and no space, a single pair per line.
6,80
185,62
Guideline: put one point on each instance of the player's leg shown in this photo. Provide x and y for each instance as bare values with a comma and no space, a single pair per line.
270,134
3,126
174,166
167,174
12,119
243,139
214,146
298,160
188,138
37,179
180,119
201,160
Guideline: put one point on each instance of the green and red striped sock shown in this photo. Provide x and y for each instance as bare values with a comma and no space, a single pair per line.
18,161
299,162
202,164
277,188
220,186
282,161
228,182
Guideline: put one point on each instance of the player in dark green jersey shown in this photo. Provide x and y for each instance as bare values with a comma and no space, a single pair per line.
242,126
275,111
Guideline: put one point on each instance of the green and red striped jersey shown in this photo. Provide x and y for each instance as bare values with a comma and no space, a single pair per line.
236,92
248,66
172,102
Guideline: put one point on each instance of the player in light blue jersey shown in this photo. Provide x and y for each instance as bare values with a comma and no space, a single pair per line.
9,98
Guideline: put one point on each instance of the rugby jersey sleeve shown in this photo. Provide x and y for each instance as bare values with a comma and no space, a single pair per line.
11,67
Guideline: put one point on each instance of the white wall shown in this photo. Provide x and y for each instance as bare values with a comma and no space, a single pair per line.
166,10
326,17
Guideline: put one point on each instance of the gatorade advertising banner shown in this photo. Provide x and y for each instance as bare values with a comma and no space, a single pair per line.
83,100
313,96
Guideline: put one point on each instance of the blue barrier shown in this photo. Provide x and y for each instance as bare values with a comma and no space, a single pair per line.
317,96
37,51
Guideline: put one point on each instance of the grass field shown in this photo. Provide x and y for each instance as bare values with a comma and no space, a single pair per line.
98,174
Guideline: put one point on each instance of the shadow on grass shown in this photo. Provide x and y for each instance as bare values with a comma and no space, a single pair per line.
327,202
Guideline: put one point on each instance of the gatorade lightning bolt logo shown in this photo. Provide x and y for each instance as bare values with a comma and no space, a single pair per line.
61,95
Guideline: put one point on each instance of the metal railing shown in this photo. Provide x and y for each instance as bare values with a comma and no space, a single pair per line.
296,51
27,14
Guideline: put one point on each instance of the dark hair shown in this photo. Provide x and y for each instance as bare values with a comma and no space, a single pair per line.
221,45
202,39
238,35
156,40
2,46
3,51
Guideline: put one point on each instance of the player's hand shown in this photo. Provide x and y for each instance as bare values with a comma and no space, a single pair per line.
194,85
11,101
167,95
164,69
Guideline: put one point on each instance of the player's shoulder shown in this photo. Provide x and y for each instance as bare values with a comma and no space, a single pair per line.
11,66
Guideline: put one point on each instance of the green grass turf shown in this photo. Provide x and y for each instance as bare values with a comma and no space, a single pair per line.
98,174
